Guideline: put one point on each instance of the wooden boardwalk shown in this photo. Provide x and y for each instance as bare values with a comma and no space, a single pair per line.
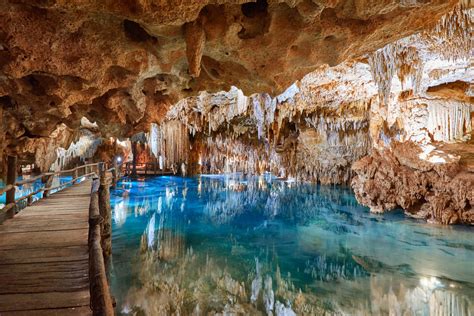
44,256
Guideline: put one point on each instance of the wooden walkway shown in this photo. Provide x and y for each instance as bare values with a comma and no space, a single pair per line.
44,256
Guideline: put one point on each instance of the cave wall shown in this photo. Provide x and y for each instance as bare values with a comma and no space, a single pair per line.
421,124
123,64
331,91
230,132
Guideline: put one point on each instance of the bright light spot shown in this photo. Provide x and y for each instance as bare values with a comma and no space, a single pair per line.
119,159
120,213
430,283
160,160
151,232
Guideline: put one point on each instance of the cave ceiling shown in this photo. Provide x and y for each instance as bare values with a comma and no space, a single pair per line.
123,63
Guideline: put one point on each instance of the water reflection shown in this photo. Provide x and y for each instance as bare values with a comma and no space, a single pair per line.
259,246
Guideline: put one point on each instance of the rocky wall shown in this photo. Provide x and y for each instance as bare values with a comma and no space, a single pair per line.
123,64
427,183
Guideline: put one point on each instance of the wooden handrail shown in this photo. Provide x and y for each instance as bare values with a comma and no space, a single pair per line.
7,207
46,189
9,187
52,188
46,174
6,189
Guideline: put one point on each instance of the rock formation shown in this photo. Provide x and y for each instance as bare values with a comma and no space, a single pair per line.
378,93
429,184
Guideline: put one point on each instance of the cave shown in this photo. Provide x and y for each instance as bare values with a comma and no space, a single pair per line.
303,157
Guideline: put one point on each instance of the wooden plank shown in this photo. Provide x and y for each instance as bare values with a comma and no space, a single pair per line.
44,259
20,302
53,254
80,311
65,285
72,284
46,267
44,239
39,226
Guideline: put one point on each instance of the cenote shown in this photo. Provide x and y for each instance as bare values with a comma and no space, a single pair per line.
235,245
223,157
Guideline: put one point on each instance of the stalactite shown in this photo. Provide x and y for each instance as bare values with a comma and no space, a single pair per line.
383,67
451,39
409,68
452,36
400,59
208,112
449,121
170,141
195,38
84,148
227,155
328,146
153,139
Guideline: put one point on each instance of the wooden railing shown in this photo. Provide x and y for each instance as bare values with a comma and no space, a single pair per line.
12,203
99,240
146,168
101,301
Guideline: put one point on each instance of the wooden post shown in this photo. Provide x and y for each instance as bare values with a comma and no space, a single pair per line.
105,211
154,167
11,178
115,172
134,160
48,184
76,175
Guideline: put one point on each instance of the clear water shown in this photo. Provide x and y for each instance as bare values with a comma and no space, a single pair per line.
256,246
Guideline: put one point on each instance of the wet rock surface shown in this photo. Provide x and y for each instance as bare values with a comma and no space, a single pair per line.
431,185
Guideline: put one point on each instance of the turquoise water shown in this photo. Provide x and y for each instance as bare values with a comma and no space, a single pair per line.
256,246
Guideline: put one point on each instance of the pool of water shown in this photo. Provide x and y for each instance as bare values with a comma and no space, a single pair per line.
257,246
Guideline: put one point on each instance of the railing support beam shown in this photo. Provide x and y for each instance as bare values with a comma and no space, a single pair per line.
101,301
105,211
48,184
134,160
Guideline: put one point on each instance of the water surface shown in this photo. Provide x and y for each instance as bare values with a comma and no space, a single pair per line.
256,246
